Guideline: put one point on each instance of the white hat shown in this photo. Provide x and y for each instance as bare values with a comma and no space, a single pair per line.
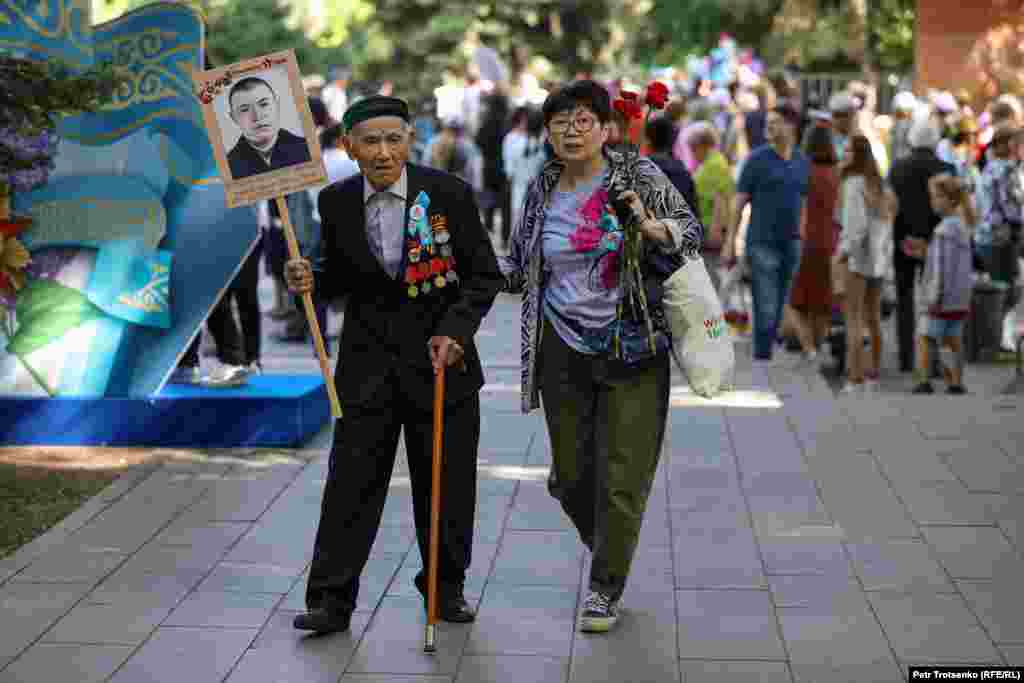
924,132
904,101
819,115
842,102
945,102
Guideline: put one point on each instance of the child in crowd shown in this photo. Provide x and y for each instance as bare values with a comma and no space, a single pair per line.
946,283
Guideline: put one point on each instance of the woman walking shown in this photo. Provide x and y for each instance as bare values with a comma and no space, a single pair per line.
865,248
605,390
810,303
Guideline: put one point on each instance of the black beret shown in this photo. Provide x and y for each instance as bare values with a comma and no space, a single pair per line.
371,108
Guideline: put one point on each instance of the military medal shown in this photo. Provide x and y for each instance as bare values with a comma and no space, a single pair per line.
413,291
452,276
439,281
425,286
446,251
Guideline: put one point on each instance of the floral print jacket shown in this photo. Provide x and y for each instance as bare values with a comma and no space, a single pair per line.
524,268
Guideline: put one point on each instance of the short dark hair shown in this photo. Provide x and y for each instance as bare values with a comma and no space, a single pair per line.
329,136
818,147
661,133
246,84
589,94
788,114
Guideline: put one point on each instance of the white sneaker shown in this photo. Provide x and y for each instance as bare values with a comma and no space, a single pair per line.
227,376
851,389
600,613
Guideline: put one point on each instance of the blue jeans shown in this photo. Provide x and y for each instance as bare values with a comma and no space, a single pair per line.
772,268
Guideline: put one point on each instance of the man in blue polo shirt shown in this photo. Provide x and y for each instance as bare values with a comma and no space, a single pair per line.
774,183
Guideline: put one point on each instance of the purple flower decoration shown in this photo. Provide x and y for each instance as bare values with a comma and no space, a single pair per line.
48,263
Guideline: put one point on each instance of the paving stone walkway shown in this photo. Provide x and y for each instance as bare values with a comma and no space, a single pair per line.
791,536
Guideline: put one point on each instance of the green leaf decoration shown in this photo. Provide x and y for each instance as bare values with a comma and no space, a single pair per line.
46,310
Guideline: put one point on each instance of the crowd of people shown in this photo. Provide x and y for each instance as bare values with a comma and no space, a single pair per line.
818,215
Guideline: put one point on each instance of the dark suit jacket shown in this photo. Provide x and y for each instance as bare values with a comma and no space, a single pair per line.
290,149
385,329
915,218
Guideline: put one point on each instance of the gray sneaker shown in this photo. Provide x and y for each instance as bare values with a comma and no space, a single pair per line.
599,614
230,376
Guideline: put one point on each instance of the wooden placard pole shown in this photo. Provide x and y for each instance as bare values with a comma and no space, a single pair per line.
307,304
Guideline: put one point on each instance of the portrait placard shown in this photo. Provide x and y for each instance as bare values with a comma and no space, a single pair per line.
258,121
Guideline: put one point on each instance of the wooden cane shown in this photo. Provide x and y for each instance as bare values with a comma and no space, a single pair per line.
307,303
430,644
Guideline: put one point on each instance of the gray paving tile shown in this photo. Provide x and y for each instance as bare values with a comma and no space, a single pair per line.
223,610
856,495
824,592
969,552
841,635
497,669
734,672
196,655
946,503
1014,654
71,564
27,610
722,558
876,672
393,643
898,565
727,625
249,578
217,536
803,556
80,663
119,623
162,559
999,607
613,656
392,678
932,627
538,558
985,467
154,589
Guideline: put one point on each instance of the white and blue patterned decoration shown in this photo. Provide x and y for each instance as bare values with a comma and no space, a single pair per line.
135,194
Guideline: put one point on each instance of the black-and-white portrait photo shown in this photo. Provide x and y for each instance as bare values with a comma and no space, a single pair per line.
260,125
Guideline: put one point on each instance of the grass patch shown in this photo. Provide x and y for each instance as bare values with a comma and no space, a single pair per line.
33,499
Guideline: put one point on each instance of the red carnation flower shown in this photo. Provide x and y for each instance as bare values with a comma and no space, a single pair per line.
657,95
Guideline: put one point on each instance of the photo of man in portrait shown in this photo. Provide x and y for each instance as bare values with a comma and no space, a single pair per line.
264,145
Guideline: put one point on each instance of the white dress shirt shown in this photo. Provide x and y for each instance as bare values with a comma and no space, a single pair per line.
387,235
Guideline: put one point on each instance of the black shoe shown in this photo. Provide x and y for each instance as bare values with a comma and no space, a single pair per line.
924,388
456,610
956,390
322,621
452,608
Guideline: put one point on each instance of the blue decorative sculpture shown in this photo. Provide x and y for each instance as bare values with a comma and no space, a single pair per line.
133,216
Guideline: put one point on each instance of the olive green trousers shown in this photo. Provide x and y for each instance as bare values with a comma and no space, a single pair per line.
606,421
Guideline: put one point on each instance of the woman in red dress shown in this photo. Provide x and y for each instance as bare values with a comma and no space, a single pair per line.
811,299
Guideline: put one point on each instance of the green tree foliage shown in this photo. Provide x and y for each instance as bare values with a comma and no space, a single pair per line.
677,28
891,37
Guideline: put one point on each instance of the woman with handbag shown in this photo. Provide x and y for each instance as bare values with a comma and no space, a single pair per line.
865,249
605,389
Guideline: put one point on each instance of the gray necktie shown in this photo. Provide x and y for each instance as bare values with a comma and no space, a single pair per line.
377,233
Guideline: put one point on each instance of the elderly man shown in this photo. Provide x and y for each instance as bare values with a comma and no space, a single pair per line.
915,219
264,145
406,246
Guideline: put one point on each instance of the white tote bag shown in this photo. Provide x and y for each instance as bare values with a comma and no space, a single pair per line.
700,343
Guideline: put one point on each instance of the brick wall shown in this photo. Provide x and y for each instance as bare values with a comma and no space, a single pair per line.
946,31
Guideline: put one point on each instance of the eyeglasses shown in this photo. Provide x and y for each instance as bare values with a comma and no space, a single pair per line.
583,124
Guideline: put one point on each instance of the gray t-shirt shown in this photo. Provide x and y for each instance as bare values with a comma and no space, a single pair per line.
582,291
